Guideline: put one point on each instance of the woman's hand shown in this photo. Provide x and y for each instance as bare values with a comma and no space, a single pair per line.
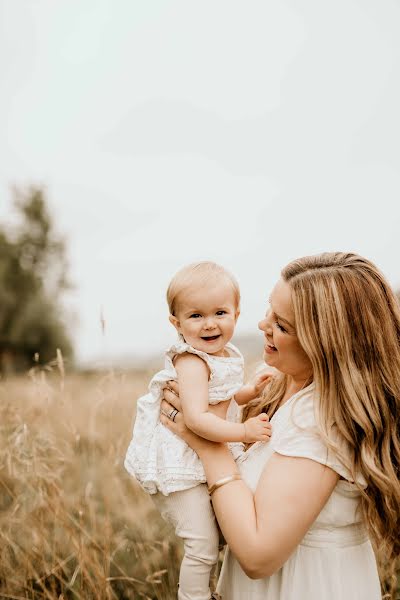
175,422
178,426
171,395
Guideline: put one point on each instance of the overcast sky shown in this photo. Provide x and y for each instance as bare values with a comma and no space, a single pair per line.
249,133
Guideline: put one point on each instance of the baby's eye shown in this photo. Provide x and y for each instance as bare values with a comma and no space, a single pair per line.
279,326
220,312
194,316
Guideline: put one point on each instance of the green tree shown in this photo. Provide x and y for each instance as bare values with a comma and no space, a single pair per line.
33,277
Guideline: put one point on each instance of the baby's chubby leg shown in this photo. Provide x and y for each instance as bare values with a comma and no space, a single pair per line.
191,514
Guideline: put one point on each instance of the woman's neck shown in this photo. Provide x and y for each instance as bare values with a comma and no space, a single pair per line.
295,385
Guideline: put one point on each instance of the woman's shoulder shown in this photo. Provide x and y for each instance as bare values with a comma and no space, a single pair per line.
299,411
303,408
300,435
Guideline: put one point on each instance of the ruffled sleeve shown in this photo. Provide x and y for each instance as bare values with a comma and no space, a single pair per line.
301,437
181,347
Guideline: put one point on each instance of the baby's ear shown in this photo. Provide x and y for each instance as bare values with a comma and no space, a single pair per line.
175,322
237,313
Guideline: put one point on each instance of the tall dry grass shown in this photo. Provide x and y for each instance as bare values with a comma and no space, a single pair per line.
73,524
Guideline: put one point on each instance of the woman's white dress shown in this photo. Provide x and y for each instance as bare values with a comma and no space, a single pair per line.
335,560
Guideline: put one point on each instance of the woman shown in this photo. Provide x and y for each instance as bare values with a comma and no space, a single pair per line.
299,515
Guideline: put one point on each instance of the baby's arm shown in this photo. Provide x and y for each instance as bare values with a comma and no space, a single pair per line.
252,390
193,390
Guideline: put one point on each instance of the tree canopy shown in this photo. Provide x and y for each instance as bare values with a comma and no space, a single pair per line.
33,278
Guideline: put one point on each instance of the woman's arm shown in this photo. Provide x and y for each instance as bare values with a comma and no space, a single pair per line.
263,529
193,390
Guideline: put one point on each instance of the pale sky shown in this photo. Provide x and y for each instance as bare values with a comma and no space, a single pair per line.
249,133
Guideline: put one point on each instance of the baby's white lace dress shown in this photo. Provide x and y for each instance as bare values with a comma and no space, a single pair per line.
156,457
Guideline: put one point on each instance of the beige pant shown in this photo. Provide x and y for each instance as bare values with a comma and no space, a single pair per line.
191,513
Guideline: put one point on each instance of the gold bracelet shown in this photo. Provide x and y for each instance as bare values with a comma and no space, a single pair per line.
245,432
223,481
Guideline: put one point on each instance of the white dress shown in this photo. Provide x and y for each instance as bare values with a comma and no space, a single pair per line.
156,457
335,560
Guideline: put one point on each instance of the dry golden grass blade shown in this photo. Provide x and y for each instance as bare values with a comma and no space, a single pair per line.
12,597
126,578
102,321
74,576
61,369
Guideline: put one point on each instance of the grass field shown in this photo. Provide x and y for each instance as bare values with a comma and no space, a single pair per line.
73,524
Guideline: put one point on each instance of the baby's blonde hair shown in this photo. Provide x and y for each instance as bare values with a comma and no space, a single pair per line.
199,274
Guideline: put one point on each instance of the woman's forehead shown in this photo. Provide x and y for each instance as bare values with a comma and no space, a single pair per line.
281,300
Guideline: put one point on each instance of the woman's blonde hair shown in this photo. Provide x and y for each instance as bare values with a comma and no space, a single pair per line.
199,274
348,322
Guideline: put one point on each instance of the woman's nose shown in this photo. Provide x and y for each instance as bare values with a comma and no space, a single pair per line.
262,325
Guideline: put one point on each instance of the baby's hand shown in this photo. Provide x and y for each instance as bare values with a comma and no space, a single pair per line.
257,429
260,381
254,389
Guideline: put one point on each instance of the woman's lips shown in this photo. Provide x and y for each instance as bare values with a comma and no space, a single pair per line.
269,349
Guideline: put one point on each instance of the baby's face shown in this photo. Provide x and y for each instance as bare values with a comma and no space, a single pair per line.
206,317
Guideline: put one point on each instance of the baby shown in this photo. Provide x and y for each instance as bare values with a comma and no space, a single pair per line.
203,300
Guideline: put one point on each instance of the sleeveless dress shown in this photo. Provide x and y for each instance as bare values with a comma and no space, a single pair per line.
335,560
156,457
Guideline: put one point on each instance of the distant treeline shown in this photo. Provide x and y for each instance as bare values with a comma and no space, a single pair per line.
33,278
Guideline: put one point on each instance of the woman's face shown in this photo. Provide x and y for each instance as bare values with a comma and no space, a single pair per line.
282,348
